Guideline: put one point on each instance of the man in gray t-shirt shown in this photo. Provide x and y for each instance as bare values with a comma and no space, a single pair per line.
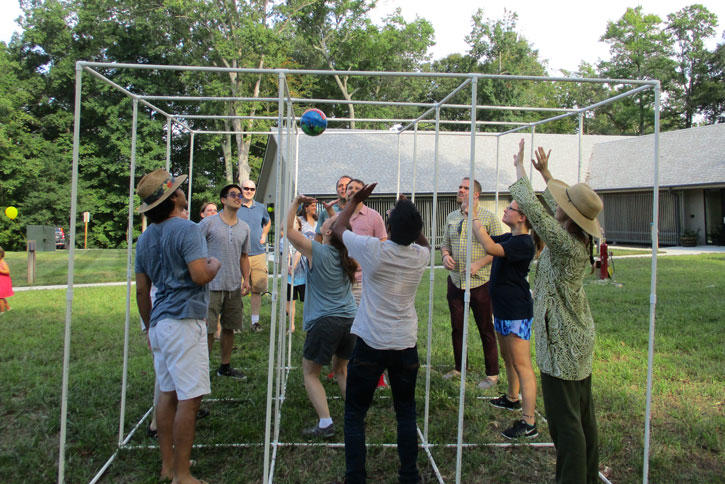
228,239
172,255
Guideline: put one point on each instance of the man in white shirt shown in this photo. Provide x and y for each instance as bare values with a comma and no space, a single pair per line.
386,324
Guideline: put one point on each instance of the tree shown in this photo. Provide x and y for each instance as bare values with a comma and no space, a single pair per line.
339,35
690,27
709,98
640,49
500,49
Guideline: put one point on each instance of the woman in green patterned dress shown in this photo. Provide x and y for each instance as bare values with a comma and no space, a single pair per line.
563,325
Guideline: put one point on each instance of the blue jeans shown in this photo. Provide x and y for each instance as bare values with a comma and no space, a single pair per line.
363,372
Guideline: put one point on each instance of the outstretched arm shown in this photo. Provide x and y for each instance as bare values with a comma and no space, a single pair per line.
297,238
343,218
519,161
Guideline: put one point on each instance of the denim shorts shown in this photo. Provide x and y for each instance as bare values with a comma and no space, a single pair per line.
518,327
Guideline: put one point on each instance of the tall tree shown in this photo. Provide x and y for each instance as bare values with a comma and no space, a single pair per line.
340,35
499,48
710,95
640,48
689,28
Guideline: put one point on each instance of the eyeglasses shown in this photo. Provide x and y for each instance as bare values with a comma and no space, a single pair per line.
249,189
512,208
235,195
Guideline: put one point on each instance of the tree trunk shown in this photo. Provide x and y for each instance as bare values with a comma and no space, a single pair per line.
342,84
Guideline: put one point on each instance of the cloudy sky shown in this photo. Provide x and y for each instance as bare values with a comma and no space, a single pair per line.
564,31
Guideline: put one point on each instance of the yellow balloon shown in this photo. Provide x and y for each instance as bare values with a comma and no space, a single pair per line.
11,212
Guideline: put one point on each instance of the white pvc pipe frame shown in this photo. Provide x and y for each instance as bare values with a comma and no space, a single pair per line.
282,200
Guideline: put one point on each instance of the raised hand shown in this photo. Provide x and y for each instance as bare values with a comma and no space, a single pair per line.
305,199
542,159
330,203
364,193
519,157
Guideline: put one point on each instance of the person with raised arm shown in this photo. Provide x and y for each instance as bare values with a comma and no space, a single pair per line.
563,324
327,315
386,325
513,309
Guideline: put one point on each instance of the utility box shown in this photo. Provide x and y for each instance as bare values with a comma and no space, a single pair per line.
43,235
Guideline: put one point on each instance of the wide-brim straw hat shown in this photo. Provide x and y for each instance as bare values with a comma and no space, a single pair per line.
155,187
580,203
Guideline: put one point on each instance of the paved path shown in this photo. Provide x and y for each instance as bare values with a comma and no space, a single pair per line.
666,251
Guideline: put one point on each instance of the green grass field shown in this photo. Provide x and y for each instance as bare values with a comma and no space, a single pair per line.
688,417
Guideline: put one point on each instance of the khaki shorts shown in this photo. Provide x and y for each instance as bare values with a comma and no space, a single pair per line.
181,357
259,273
228,305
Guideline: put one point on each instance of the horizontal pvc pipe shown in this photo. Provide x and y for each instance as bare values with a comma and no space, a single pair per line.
320,72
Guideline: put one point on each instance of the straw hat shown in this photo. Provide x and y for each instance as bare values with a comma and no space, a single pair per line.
155,187
580,203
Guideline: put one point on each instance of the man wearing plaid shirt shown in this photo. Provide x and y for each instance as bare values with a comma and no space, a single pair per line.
453,251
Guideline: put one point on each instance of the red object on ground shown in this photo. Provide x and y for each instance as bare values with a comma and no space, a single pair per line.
381,382
603,261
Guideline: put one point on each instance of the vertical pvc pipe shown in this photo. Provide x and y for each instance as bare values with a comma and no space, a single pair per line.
415,161
191,172
531,154
498,170
581,151
653,284
397,184
168,144
431,274
129,261
467,293
69,290
273,320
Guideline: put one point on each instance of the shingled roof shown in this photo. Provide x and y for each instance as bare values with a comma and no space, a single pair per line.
374,157
688,157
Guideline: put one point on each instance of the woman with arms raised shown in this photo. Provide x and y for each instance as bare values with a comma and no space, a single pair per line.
563,324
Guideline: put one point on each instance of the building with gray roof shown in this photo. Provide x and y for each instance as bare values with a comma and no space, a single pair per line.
692,172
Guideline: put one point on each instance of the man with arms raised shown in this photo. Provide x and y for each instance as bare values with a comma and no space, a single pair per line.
386,324
172,254
228,240
256,216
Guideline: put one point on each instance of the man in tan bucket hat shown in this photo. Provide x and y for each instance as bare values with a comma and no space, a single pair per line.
172,255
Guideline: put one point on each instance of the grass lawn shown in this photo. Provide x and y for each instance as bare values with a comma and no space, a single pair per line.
688,409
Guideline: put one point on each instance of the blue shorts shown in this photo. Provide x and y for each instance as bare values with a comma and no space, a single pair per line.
518,327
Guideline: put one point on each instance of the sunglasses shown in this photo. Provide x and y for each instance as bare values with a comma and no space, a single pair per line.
249,189
235,195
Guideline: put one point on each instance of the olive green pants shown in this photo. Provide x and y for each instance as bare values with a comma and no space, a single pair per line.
569,410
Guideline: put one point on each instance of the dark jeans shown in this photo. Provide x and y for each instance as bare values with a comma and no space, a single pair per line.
363,371
573,427
481,306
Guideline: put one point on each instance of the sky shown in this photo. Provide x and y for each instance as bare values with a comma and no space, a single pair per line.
565,32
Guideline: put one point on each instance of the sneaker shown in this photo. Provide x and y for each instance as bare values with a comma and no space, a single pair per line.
452,374
319,432
231,372
488,383
256,327
505,403
520,429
